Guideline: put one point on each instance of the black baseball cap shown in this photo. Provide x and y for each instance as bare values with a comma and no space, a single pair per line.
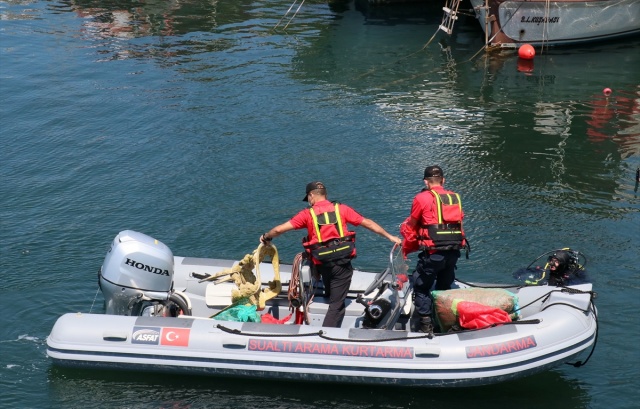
433,171
312,186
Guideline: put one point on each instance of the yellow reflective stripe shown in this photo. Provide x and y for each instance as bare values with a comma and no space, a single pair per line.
450,200
460,206
315,224
326,221
439,206
339,219
333,251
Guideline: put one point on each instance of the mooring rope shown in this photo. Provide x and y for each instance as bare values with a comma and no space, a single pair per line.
288,11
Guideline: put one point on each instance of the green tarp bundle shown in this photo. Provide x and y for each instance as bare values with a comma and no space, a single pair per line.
239,313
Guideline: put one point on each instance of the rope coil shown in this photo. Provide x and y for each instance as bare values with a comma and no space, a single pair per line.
249,285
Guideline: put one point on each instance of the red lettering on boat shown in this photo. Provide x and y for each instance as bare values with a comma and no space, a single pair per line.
321,348
501,348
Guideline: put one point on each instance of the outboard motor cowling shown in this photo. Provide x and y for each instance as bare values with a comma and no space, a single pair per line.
137,269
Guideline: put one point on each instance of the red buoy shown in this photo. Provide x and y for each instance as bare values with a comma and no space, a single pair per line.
606,92
526,51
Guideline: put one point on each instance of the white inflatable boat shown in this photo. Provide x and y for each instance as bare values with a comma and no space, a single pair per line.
158,310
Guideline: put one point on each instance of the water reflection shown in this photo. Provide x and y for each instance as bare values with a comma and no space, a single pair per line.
155,126
118,19
122,19
543,124
152,29
143,390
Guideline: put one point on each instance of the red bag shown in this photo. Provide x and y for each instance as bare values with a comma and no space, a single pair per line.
472,315
410,242
270,319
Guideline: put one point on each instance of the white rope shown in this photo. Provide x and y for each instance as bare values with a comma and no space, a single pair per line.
94,300
294,15
545,24
287,13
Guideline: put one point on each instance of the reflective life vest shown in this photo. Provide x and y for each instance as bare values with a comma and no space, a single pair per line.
334,241
447,233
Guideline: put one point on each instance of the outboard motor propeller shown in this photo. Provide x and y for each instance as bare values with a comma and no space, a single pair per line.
136,277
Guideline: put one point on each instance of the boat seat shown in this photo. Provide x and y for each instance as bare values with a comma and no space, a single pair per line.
219,295
320,305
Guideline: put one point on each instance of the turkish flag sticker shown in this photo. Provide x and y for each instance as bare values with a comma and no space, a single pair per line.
175,337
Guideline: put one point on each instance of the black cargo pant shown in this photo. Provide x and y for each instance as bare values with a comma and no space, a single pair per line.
336,277
438,268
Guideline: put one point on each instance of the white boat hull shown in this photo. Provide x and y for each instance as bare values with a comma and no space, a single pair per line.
541,22
555,325
338,355
307,352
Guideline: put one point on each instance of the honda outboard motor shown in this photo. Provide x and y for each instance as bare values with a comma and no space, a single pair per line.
136,277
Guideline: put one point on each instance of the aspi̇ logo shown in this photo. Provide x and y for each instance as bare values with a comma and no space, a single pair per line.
145,335
144,267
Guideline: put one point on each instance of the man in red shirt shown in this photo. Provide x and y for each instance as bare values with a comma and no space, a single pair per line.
329,244
436,223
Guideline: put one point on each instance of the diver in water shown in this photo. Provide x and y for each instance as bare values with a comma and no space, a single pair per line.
563,268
